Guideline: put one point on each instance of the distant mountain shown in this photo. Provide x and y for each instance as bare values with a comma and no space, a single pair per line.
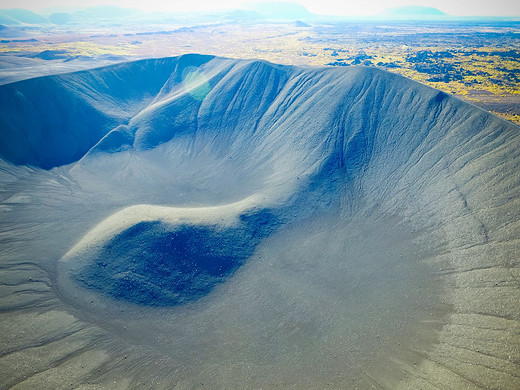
6,20
51,54
287,11
243,15
66,15
299,23
107,12
413,11
280,10
60,18
16,16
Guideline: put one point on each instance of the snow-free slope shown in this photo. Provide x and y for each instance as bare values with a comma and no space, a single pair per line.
54,120
243,224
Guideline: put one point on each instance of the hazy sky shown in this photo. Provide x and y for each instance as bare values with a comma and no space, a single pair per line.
330,7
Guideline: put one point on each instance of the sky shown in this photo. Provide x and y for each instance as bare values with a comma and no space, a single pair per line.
326,7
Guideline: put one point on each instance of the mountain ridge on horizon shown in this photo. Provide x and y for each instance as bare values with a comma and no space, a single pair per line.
252,11
413,10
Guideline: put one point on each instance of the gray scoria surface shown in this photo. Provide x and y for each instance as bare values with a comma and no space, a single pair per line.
200,222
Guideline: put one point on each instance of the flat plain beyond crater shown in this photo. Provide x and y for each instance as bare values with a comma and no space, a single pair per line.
203,222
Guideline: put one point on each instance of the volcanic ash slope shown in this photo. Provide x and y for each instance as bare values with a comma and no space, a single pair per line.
196,222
